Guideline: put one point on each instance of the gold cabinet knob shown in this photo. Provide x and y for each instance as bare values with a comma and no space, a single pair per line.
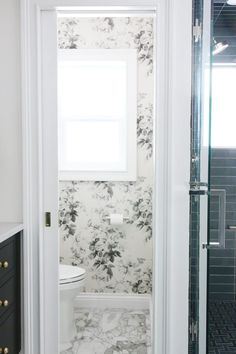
5,350
5,264
4,303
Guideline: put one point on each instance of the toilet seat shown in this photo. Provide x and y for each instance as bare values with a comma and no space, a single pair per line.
70,274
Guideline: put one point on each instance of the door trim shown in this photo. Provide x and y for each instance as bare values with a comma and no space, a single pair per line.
173,93
30,234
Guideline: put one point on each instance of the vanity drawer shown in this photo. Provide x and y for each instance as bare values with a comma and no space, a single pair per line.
8,256
8,293
9,341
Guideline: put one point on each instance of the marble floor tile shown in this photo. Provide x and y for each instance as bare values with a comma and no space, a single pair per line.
111,331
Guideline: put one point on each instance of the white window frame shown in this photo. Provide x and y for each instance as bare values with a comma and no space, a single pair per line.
130,173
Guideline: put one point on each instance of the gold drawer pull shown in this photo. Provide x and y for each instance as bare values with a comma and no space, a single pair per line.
4,265
4,350
4,303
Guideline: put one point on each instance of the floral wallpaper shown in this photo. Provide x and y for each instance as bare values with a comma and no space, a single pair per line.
116,258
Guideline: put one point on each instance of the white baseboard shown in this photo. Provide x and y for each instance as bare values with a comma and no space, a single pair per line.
102,301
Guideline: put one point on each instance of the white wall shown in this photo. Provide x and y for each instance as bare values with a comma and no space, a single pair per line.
10,119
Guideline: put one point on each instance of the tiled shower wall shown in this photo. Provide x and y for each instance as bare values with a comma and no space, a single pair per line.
117,259
223,261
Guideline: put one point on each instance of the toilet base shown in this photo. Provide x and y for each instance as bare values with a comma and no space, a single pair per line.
67,323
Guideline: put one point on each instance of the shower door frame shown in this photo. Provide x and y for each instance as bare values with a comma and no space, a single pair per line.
172,111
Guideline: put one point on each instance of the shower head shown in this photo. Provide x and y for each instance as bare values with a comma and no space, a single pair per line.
219,47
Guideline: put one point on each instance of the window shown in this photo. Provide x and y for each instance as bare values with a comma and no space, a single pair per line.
97,112
223,106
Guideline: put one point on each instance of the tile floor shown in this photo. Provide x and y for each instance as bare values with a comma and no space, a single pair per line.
111,331
222,327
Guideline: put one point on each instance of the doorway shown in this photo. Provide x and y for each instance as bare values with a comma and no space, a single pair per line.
104,118
173,83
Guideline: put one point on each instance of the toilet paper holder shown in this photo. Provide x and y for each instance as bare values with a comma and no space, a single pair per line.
109,218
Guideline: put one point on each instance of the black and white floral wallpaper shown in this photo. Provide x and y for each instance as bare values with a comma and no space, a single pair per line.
117,259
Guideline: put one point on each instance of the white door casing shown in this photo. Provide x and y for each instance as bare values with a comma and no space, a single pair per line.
49,194
172,111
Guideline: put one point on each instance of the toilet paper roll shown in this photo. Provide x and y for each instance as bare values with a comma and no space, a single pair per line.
116,219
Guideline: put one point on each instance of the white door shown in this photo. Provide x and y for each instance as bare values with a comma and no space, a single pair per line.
49,248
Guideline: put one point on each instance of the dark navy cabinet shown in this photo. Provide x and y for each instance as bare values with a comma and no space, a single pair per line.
10,295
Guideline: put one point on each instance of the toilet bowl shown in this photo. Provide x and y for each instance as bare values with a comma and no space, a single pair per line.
71,281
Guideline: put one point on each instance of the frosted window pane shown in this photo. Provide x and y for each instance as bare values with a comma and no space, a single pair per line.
223,107
95,89
97,112
93,146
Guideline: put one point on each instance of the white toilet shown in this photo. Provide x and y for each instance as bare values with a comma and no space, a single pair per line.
71,281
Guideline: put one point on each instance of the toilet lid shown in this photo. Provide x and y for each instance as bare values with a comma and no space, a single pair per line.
70,274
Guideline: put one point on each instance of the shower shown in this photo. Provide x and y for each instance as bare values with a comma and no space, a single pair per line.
212,293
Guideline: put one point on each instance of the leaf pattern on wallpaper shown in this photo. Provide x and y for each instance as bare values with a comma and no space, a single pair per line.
144,127
68,211
105,251
78,252
142,216
109,33
107,186
71,37
116,259
104,24
135,277
142,275
144,44
105,247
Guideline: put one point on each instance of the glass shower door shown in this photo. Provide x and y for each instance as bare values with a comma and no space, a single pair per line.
199,180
